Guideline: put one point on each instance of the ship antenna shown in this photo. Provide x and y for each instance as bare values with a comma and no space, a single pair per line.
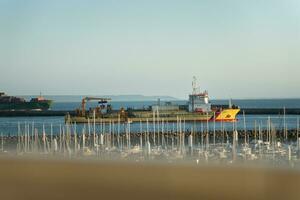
194,85
230,103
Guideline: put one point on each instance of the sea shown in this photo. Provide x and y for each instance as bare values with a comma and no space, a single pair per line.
10,126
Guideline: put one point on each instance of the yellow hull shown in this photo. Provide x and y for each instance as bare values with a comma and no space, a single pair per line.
227,115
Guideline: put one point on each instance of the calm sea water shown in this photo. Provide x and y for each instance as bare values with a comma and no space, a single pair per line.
9,125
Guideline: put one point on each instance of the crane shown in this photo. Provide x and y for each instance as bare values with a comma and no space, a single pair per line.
86,99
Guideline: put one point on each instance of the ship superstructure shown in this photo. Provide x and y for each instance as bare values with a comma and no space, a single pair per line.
198,101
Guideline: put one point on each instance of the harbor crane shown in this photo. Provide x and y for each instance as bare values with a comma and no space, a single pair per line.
86,99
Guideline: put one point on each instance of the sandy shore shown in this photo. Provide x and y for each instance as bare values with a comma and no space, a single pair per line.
57,179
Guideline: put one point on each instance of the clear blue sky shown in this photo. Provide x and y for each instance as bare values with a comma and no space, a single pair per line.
236,48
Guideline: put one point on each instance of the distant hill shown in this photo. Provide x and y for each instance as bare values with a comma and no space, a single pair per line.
78,98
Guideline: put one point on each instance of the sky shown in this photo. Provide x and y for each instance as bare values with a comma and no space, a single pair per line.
235,48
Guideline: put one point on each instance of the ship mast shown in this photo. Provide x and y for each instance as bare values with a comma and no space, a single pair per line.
194,85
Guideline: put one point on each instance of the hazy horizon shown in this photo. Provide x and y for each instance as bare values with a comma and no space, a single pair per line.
236,49
152,97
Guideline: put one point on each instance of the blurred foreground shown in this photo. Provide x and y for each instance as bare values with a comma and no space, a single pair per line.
32,178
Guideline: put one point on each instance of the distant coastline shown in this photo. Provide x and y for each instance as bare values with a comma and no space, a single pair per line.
78,98
137,98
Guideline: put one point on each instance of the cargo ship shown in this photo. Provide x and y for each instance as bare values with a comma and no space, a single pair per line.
197,108
12,103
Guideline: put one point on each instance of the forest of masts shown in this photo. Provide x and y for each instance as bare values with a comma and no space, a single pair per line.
156,140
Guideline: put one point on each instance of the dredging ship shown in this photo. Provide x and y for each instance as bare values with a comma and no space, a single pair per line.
12,103
198,108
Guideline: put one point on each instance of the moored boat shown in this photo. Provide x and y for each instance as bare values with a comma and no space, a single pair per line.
12,103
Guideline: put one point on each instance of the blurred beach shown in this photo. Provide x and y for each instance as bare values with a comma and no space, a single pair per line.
39,178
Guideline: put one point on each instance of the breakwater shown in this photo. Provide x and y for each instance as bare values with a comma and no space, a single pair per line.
270,111
217,136
35,113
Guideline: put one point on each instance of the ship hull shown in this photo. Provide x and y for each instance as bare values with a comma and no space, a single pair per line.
45,105
227,115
